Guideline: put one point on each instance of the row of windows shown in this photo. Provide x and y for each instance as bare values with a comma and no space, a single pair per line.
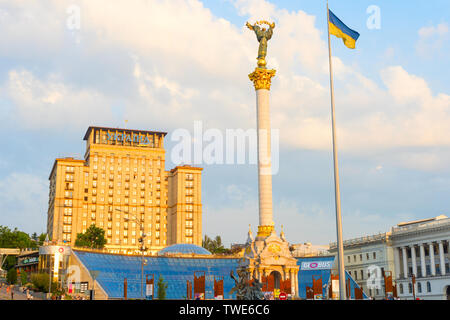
368,255
126,185
119,168
125,241
359,274
419,287
126,159
68,194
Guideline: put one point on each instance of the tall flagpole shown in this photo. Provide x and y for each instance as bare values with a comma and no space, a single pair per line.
340,245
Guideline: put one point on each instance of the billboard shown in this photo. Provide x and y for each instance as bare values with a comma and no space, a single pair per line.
316,265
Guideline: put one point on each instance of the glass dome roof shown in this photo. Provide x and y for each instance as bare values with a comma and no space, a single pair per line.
183,248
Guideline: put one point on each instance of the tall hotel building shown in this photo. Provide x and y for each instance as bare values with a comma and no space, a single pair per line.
122,187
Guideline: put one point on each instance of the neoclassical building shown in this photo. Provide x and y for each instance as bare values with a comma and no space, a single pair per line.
421,248
367,259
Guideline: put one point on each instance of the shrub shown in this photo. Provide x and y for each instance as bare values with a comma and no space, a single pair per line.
11,276
40,282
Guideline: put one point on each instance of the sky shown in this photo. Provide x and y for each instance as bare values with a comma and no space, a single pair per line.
165,65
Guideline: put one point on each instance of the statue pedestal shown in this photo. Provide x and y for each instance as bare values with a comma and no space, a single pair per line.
270,261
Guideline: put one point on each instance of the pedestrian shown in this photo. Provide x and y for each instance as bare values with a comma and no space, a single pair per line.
12,292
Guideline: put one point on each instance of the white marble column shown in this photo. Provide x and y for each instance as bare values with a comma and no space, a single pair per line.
405,262
397,262
432,262
423,266
264,163
414,260
441,257
261,79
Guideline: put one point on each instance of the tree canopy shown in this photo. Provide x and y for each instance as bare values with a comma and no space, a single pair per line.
214,245
15,239
93,238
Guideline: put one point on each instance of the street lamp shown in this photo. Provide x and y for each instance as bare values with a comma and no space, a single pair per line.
142,248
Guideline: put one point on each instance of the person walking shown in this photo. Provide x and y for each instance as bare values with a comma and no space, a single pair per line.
28,294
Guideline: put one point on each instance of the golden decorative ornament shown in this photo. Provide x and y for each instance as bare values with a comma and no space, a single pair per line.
274,248
262,78
264,231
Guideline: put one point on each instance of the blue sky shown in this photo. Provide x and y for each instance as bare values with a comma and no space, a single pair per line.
162,65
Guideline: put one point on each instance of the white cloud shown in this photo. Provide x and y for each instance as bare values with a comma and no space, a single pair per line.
23,201
166,59
432,40
51,103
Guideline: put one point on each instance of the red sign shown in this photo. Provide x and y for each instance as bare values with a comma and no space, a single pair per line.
283,296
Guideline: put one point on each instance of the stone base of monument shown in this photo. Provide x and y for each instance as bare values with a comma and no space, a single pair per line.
269,260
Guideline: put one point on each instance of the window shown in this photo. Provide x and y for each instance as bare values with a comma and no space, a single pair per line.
362,274
419,287
360,257
409,287
428,286
348,259
401,288
374,255
367,256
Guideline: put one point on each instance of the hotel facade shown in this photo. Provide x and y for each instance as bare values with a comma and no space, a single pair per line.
122,186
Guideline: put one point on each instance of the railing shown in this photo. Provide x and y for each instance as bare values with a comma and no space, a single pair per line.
360,240
418,227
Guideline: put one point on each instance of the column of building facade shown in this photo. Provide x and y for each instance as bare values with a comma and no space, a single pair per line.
414,260
397,262
405,262
291,277
423,266
432,262
441,257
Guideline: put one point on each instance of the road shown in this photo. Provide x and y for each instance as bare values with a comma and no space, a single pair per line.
18,295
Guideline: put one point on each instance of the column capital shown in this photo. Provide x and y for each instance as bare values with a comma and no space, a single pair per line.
262,78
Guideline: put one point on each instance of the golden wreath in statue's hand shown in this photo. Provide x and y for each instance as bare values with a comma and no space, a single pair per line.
271,25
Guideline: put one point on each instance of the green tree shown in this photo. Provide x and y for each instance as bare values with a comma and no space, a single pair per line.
23,277
162,287
93,238
40,282
11,276
14,239
214,246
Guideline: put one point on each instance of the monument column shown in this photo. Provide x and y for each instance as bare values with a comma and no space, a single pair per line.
261,78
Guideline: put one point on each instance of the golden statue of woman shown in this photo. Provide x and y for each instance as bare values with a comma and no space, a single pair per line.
262,35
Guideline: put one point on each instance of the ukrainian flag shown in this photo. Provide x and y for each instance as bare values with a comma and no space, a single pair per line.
340,30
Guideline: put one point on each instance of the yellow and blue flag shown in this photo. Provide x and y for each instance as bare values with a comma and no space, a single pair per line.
340,30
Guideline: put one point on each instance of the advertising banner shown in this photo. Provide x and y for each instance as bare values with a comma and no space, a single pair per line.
316,265
149,290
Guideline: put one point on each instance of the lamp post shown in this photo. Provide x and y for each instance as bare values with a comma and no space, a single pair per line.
142,248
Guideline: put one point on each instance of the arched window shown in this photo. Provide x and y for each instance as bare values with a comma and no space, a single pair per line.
428,286
419,287
409,287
